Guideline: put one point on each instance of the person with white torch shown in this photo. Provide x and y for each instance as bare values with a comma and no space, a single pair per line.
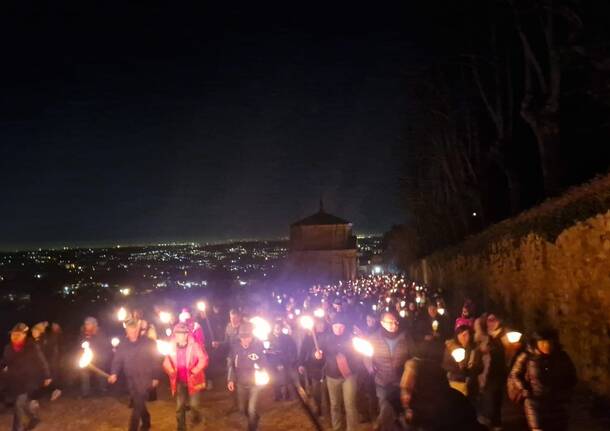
247,373
462,362
341,365
138,359
313,369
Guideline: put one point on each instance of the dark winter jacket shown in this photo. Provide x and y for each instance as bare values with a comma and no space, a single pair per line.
243,362
23,372
140,363
333,348
388,365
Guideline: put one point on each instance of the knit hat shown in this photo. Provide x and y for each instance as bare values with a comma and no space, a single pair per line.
20,327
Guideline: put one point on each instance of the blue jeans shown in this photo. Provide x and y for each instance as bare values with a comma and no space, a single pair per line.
247,401
388,398
342,394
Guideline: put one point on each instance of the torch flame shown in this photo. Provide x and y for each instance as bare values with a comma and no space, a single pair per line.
363,347
115,342
261,377
201,306
458,354
164,347
307,322
85,358
121,315
262,328
319,313
165,317
514,336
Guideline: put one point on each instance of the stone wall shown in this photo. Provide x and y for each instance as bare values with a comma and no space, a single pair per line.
563,281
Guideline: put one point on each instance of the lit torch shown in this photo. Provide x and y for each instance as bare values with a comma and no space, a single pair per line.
308,323
85,361
164,347
513,337
121,315
363,347
165,317
458,354
261,377
261,328
319,313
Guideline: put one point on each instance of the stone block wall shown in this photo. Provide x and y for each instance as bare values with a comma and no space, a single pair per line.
564,282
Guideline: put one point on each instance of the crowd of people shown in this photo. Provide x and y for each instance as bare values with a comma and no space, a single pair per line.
378,350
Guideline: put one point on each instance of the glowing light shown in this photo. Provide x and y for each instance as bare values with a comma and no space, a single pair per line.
402,313
435,325
307,322
290,316
168,332
441,311
85,345
418,299
184,316
115,342
164,347
286,331
125,291
374,307
85,358
262,328
121,315
297,312
362,346
165,317
403,303
388,300
261,377
514,336
319,313
266,344
458,354
201,306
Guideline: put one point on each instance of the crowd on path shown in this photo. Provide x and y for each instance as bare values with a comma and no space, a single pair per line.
379,350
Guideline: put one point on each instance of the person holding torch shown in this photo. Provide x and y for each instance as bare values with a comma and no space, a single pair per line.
139,361
98,342
462,361
341,364
247,373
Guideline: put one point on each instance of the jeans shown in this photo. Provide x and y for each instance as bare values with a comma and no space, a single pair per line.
490,405
184,399
139,412
23,412
85,382
247,400
342,394
319,393
389,400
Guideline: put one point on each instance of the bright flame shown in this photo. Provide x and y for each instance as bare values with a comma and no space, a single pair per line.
402,313
441,311
85,345
362,346
458,354
126,291
286,331
266,344
435,325
164,347
403,303
262,328
168,332
165,317
290,316
388,300
319,313
374,307
121,315
307,322
297,312
418,299
261,377
85,358
184,316
201,306
514,336
115,342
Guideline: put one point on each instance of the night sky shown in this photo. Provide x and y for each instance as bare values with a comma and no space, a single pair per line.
139,122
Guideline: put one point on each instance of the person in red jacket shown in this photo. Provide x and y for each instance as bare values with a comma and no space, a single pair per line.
185,367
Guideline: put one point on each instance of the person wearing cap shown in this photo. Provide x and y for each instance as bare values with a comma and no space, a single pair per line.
313,369
246,356
543,378
185,367
102,349
341,367
139,361
24,370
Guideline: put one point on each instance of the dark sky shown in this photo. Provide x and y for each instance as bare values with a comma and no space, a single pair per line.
125,121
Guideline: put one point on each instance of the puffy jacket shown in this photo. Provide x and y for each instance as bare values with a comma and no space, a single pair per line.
196,363
388,365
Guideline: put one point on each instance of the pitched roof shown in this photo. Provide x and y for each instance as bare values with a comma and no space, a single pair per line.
320,218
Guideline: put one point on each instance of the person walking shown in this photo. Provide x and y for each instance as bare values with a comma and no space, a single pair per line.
24,371
139,361
185,367
543,378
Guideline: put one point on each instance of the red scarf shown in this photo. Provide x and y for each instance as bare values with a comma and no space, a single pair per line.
18,347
